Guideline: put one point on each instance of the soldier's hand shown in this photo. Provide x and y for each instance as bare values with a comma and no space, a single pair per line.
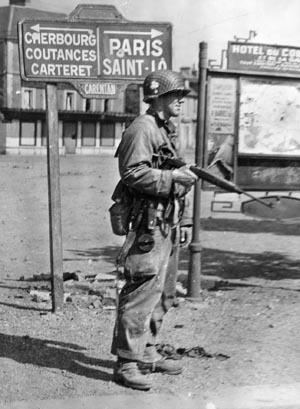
185,236
184,176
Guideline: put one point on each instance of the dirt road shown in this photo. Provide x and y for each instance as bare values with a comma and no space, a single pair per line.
249,322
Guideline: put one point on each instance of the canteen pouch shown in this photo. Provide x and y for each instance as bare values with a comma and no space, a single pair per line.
119,218
120,211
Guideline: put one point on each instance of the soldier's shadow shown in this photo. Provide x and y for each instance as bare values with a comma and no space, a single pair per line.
54,354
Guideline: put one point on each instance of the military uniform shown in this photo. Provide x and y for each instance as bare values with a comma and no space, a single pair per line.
151,265
158,211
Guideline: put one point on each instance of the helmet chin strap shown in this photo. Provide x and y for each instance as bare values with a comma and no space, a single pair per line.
158,106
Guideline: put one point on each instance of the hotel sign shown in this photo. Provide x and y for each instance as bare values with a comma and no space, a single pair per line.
263,57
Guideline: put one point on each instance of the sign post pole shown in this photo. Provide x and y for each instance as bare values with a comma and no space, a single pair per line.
193,290
55,231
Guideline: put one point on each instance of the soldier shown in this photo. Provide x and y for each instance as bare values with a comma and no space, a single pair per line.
158,221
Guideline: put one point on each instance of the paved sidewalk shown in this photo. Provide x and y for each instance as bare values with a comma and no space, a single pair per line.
250,397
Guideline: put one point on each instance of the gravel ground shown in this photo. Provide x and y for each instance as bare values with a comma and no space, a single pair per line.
247,321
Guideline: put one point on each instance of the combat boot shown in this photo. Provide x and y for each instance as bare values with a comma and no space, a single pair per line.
163,365
128,374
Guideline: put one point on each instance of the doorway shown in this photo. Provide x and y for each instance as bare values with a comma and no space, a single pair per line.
70,137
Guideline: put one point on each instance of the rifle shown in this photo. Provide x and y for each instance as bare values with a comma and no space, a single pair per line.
209,177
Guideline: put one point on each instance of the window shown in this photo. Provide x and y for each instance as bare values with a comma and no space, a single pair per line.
132,99
88,104
27,98
69,132
107,134
27,133
69,101
88,134
44,134
44,102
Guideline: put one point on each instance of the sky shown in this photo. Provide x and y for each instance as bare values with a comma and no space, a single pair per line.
213,21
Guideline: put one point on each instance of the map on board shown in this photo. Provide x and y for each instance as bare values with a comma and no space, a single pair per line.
269,118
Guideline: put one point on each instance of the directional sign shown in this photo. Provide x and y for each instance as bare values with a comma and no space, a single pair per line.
106,51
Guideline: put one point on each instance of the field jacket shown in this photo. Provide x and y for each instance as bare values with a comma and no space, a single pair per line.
141,164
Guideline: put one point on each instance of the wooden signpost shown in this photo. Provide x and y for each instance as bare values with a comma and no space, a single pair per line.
56,249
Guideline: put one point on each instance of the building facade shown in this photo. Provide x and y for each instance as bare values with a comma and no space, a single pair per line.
86,126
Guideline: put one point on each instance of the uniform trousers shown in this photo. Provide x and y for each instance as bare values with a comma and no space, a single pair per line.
147,295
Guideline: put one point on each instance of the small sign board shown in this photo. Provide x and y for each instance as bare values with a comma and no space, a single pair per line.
101,54
98,89
221,106
263,57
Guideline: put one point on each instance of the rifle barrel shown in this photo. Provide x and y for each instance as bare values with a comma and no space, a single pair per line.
224,184
215,180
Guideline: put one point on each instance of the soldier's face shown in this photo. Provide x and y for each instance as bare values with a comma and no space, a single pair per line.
172,104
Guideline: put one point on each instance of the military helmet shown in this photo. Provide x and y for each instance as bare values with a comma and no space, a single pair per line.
162,82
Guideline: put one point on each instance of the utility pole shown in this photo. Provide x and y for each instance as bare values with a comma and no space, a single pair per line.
194,286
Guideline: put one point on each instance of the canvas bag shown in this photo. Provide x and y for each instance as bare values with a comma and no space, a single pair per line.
120,211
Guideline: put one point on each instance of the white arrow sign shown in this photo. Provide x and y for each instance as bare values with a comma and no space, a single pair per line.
38,28
153,33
